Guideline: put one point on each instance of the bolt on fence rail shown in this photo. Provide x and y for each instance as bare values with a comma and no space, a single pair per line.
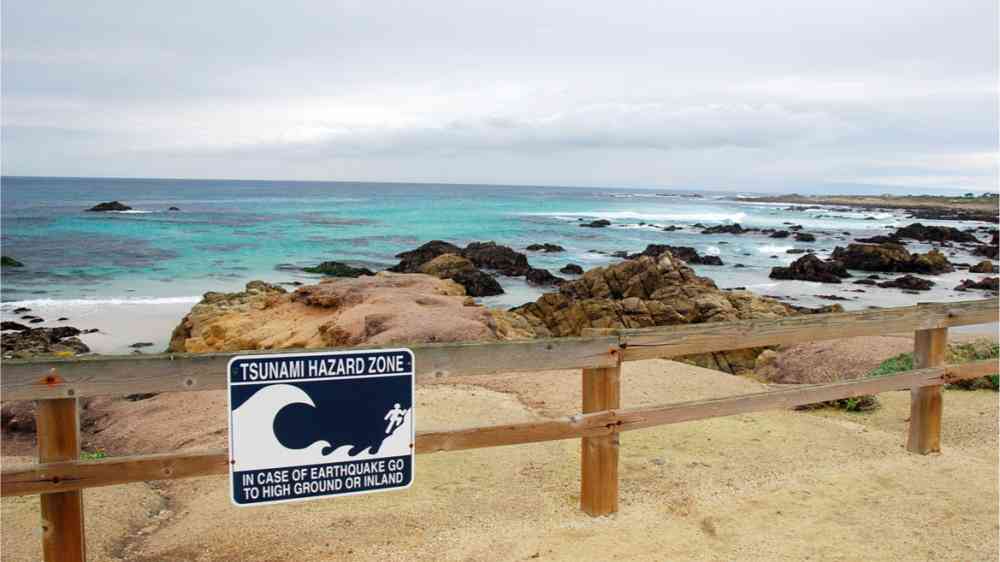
59,477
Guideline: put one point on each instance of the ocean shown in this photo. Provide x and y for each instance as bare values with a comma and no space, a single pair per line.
133,275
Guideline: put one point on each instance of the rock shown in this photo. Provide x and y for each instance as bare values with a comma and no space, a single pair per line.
18,417
727,229
811,268
7,325
36,320
173,209
984,266
21,309
141,344
542,277
672,228
805,237
865,282
832,297
686,253
572,269
891,258
462,271
991,251
42,341
338,269
985,284
383,309
490,255
918,231
795,251
546,248
908,282
780,234
412,260
7,261
600,223
110,206
795,227
880,239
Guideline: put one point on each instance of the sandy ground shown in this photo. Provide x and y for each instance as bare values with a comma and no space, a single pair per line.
778,485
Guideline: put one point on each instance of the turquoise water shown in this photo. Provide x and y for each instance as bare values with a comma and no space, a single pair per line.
229,232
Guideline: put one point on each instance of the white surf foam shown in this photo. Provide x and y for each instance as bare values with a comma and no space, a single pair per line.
70,303
633,215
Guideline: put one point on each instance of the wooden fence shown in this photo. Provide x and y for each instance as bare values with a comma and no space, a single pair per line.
57,384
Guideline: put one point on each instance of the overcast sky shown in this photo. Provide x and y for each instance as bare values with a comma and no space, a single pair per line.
781,95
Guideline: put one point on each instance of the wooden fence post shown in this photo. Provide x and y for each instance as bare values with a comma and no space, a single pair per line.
925,402
599,462
62,513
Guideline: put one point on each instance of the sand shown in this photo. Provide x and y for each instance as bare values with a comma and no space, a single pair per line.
780,485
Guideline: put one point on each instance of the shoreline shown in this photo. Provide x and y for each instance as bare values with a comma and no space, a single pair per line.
960,208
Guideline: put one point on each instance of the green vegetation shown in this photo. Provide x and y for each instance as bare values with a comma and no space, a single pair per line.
92,455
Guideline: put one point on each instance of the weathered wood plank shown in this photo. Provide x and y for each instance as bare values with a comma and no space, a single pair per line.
924,435
76,475
63,536
31,379
599,454
674,341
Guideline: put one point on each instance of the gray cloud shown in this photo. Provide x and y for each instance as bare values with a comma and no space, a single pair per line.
772,95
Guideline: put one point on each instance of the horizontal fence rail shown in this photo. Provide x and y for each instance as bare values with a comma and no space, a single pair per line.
78,475
57,383
35,379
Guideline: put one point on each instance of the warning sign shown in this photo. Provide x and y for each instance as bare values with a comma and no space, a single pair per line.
313,425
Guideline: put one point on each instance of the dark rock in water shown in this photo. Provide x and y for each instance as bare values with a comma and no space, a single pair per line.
572,268
21,309
462,271
738,265
892,258
845,233
918,231
36,320
880,239
727,229
795,227
412,260
811,268
672,228
140,344
796,251
41,341
805,237
984,266
12,326
832,297
686,253
62,319
987,250
542,277
984,284
600,223
338,269
490,255
780,234
865,282
546,248
7,261
173,209
90,331
908,282
110,206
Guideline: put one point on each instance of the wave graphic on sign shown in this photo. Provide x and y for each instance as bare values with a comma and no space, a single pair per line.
255,445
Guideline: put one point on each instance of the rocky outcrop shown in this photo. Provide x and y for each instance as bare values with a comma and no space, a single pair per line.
686,253
383,309
891,258
923,233
23,342
780,234
805,237
811,268
571,269
599,223
411,261
881,239
727,229
548,248
110,206
338,269
490,255
7,261
984,266
542,277
909,283
462,271
991,284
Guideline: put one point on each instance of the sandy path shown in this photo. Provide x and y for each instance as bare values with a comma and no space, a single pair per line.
771,486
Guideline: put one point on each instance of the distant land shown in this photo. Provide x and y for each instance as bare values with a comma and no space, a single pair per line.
983,207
